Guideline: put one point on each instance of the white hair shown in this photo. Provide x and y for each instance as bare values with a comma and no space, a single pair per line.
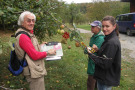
21,17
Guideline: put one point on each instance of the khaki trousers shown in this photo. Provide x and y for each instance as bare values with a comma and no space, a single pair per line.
91,83
36,83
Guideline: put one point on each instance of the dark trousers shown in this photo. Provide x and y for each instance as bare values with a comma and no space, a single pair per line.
91,82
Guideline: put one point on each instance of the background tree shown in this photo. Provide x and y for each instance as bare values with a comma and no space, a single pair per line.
43,9
73,11
46,10
97,10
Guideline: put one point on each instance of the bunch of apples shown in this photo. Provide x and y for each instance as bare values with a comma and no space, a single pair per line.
61,31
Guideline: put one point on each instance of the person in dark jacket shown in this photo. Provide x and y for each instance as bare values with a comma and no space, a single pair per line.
97,39
108,62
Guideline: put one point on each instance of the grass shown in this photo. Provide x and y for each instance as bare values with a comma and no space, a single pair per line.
73,64
127,76
127,72
66,74
84,26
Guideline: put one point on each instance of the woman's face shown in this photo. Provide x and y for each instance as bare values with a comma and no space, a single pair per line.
28,22
107,27
95,29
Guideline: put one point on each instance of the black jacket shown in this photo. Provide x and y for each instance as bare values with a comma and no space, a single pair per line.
108,61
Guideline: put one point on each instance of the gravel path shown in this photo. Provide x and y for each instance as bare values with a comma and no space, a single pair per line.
127,42
83,31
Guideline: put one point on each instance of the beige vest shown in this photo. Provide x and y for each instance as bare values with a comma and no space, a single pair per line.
36,68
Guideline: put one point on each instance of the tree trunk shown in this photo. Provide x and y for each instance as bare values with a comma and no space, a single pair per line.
132,6
3,23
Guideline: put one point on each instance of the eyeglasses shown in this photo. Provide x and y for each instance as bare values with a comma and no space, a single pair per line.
30,20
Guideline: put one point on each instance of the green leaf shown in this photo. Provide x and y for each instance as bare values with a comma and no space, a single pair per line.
0,49
1,12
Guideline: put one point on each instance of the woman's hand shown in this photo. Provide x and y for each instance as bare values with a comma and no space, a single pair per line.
89,49
95,47
51,52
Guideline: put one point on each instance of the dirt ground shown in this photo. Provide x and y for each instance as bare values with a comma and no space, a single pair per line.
128,42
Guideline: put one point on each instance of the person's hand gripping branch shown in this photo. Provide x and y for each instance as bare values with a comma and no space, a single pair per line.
95,47
90,49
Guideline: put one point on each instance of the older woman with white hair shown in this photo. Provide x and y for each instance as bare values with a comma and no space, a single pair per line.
35,70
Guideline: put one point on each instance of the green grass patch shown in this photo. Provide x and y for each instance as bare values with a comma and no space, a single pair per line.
84,26
127,76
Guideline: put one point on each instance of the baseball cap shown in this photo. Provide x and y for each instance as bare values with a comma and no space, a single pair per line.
96,23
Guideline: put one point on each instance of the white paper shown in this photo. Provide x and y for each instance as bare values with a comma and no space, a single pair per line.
53,58
58,48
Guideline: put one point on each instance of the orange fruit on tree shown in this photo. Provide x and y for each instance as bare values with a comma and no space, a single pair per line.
69,47
62,26
77,44
62,31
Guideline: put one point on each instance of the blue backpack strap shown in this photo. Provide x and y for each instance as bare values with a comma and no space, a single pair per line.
23,32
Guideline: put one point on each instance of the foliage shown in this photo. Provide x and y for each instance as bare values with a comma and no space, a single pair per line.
72,13
97,10
80,18
88,12
47,10
45,24
75,34
83,7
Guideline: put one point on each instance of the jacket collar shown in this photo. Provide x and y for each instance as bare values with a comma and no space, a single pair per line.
99,33
107,37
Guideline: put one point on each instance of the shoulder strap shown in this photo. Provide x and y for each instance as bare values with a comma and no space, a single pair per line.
22,32
23,59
